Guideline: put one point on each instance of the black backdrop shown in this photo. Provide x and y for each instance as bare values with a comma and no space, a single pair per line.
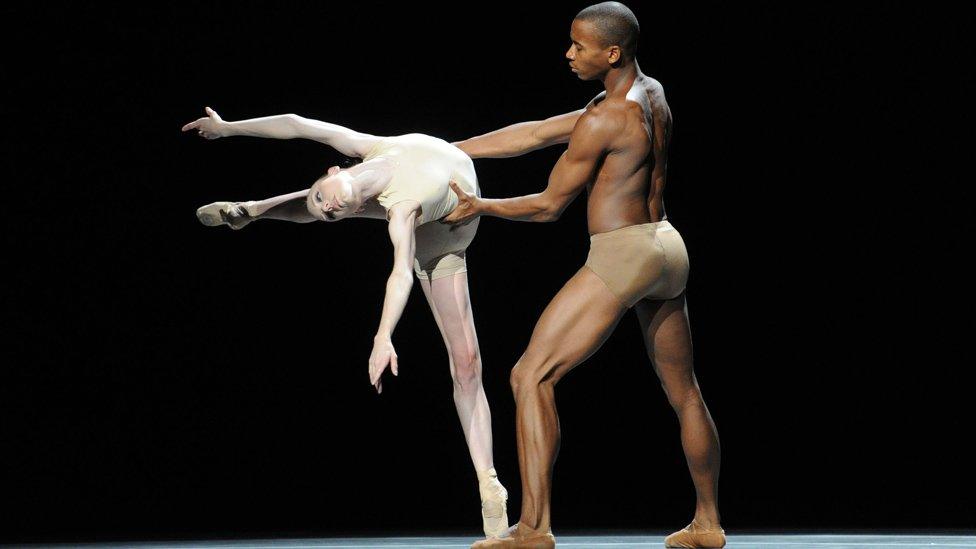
167,379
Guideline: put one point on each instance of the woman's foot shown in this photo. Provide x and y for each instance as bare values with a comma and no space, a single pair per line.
494,512
233,214
512,539
697,536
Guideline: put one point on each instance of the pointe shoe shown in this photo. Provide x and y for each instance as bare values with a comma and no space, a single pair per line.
494,513
694,536
233,214
512,540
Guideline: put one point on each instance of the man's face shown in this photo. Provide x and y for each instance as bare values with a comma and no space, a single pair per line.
331,198
587,56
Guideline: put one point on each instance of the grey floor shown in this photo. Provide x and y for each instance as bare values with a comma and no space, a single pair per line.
805,541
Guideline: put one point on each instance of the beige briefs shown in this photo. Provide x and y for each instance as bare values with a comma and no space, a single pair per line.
640,261
440,248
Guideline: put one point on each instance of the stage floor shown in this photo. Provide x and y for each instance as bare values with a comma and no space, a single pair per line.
799,541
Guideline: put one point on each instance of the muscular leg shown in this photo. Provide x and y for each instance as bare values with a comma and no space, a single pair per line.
667,336
574,325
451,305
286,207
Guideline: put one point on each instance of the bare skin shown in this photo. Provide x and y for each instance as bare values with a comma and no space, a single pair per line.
617,150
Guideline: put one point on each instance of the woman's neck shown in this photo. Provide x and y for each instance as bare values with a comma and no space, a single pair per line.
371,177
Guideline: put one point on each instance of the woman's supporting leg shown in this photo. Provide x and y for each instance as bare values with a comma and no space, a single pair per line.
451,305
449,301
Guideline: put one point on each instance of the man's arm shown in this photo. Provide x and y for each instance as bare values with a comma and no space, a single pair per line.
524,137
401,227
521,138
576,167
286,126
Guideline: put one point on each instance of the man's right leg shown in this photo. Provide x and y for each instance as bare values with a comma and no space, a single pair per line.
286,207
574,325
667,336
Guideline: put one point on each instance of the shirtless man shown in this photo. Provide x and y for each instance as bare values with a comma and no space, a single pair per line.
617,150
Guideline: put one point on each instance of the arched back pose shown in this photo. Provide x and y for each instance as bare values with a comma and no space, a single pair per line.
617,151
403,179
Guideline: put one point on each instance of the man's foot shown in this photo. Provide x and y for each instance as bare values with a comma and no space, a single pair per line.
511,539
234,214
494,513
696,536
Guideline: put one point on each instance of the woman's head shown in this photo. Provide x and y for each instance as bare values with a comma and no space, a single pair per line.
334,196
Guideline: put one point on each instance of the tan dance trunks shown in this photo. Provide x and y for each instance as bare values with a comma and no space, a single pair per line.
640,261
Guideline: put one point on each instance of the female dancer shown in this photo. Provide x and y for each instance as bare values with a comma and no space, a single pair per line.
403,179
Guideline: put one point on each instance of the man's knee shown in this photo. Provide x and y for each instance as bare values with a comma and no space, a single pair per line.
531,371
688,394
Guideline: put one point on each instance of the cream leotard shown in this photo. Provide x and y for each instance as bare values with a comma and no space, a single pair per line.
423,167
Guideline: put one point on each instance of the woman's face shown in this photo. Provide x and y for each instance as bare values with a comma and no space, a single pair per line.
331,197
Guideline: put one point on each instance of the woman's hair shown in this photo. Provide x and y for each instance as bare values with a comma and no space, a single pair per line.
351,161
344,164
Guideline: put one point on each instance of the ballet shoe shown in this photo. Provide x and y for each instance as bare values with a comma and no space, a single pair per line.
694,536
233,214
512,540
494,513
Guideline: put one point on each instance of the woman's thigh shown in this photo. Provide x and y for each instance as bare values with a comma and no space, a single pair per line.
451,305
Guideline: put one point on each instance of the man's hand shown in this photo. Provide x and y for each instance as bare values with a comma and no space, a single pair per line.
383,355
468,208
211,126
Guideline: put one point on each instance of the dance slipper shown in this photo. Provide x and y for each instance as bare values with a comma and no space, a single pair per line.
694,536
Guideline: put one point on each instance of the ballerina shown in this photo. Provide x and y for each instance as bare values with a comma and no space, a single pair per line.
405,180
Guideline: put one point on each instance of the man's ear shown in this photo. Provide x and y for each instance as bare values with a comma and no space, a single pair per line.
615,54
333,170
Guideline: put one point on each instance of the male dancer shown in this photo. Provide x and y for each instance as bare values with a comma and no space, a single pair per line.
618,150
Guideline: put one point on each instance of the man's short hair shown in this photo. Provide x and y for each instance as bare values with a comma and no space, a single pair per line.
616,24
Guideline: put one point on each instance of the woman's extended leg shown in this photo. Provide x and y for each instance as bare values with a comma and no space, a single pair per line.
286,207
449,301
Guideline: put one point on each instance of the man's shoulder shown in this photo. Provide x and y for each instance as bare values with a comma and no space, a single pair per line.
605,116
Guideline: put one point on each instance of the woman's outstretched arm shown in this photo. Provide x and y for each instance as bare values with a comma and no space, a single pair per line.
286,126
402,218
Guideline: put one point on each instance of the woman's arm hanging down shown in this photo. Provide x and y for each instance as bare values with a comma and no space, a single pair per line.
402,217
286,126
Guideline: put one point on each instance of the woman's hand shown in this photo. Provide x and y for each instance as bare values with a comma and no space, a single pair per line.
383,355
468,207
211,126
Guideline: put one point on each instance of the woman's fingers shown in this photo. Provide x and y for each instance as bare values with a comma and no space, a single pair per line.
211,116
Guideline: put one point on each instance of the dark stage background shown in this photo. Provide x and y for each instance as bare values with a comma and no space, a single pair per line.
167,379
